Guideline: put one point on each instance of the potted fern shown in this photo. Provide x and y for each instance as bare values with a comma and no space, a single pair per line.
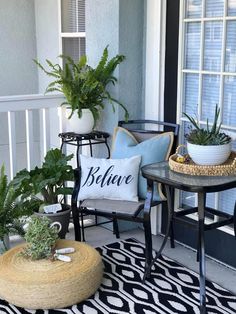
12,209
208,146
45,187
85,88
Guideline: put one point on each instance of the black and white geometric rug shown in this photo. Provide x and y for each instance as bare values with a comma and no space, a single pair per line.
172,289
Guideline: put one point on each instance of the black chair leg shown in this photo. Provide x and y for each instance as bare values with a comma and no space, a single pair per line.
235,220
197,258
116,228
172,235
77,228
148,248
82,226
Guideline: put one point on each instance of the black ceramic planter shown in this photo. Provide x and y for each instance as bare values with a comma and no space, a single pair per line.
63,217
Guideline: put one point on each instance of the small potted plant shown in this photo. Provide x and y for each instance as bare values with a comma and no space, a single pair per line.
84,87
208,146
45,186
41,238
12,209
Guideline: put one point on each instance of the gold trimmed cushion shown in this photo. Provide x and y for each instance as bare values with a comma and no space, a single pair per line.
152,150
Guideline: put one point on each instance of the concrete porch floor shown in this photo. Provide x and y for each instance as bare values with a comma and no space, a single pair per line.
216,272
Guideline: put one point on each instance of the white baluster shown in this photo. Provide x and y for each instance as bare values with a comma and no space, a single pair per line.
12,142
29,138
44,132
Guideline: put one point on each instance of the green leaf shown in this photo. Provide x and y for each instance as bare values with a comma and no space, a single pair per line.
84,86
213,136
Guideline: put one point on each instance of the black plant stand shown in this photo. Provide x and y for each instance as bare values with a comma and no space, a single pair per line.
90,139
80,140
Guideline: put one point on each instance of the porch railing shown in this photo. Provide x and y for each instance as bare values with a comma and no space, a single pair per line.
37,119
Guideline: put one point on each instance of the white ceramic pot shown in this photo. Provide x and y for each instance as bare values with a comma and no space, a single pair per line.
209,154
81,125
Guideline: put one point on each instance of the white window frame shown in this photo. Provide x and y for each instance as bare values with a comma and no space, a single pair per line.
181,71
63,35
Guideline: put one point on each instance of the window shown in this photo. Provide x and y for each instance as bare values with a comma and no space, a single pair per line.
73,28
207,74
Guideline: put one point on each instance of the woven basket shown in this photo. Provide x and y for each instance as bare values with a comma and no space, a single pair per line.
46,284
226,169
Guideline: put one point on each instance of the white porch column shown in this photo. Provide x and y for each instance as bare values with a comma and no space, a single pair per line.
154,72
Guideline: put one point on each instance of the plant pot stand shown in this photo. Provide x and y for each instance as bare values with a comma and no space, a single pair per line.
79,140
45,284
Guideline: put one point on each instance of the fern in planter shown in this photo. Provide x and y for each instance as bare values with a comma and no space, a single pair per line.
12,208
85,87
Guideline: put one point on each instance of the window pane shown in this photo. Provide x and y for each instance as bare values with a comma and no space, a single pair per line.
229,111
186,129
210,95
227,201
232,134
191,83
212,46
187,199
214,8
193,8
74,47
73,15
230,55
210,200
231,7
192,45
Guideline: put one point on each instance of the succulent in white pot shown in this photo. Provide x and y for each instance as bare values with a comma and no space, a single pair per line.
85,88
208,146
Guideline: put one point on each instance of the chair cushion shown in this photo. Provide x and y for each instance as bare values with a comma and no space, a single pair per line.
109,178
114,206
155,149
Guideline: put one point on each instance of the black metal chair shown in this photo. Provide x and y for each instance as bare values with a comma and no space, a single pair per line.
123,210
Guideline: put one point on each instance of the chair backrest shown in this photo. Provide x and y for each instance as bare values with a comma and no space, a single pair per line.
141,129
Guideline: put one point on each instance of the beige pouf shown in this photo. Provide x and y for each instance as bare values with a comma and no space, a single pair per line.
45,284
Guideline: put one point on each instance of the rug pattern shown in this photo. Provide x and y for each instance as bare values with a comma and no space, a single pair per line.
172,288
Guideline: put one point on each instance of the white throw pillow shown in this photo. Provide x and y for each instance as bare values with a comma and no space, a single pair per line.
115,179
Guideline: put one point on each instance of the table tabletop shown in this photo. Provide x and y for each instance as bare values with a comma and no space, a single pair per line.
94,135
162,173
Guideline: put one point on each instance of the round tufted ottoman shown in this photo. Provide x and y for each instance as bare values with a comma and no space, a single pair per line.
46,284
